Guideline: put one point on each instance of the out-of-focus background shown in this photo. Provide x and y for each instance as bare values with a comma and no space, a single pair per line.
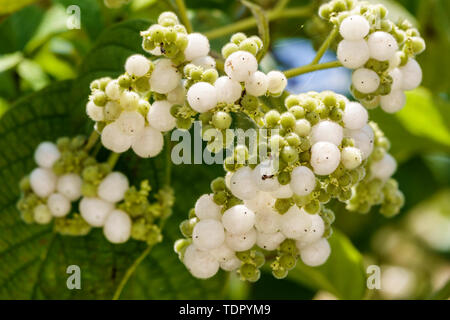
38,51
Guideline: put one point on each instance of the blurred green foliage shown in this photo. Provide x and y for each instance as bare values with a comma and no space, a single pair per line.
45,71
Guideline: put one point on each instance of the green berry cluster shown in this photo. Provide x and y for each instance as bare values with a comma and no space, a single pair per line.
74,158
240,42
285,259
167,38
251,261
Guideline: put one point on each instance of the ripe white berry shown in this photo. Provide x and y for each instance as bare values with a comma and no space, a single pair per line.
295,223
283,192
230,264
130,123
205,62
94,112
58,204
269,241
113,187
42,214
113,90
206,208
222,253
129,100
364,140
351,158
137,65
149,143
242,185
240,65
200,263
46,154
267,220
303,181
69,185
384,169
165,77
228,91
241,242
177,95
238,219
355,116
198,46
202,97
117,228
264,176
315,231
382,46
354,27
393,102
114,139
112,110
325,158
159,116
397,79
261,201
412,75
95,210
277,82
208,234
43,182
316,253
365,80
327,131
257,84
353,54
302,127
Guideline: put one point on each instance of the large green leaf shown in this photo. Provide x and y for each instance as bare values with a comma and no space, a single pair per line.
343,274
33,258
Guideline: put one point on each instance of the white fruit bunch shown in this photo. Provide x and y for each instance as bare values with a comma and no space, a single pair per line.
49,191
381,53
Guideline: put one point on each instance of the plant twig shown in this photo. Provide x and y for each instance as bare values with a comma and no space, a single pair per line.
183,15
326,44
113,158
130,272
248,23
92,140
311,68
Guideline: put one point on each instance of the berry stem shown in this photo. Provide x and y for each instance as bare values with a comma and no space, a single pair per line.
251,22
92,140
311,68
130,272
326,44
183,15
113,158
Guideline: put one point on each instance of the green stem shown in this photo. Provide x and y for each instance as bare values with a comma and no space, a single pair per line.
249,23
311,68
183,15
113,158
92,140
130,272
325,45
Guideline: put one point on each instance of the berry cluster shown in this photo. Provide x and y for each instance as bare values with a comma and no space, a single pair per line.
380,52
67,177
320,149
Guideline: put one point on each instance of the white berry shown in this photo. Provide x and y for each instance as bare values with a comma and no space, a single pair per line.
46,154
69,185
208,234
206,208
353,54
117,228
393,102
354,27
325,158
355,116
351,158
295,223
95,210
316,253
327,131
303,181
59,205
149,143
113,187
242,185
238,219
382,46
198,46
241,242
412,75
43,182
277,82
228,90
365,80
202,97
159,116
240,65
257,84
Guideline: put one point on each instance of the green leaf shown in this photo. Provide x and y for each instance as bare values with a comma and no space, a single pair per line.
33,74
442,294
343,274
34,259
9,61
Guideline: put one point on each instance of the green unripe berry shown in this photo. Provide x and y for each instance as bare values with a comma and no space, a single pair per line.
282,205
24,184
258,41
249,102
218,184
241,154
288,246
288,261
324,197
305,144
345,180
205,117
280,273
124,81
323,111
170,35
291,101
305,156
229,49
336,114
258,258
183,124
182,41
293,139
345,195
244,256
298,112
221,120
210,76
142,84
284,178
276,142
100,98
229,164
249,45
104,82
312,117
272,118
330,100
333,190
95,85
289,154
187,227
88,190
220,197
313,207
238,37
196,73
287,120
